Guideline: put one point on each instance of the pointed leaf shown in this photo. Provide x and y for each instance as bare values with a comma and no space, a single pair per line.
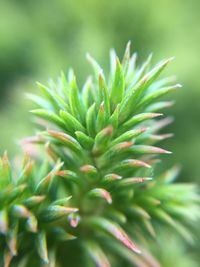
49,116
56,212
155,95
114,119
61,235
135,94
131,163
96,67
72,124
159,106
44,184
140,211
3,221
34,201
141,71
75,101
66,139
101,118
49,95
127,136
7,258
117,90
86,141
91,119
101,193
135,120
88,169
41,246
68,175
102,139
97,254
126,58
111,177
133,180
104,96
32,224
11,238
62,201
116,231
143,149
20,211
5,171
87,93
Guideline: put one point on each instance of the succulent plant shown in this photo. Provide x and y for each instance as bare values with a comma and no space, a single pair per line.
96,196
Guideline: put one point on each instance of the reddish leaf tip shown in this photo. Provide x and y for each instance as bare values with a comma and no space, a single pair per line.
87,168
108,130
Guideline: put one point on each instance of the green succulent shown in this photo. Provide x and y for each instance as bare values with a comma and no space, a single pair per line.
96,195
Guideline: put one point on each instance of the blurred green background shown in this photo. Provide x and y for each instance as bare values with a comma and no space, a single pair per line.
40,38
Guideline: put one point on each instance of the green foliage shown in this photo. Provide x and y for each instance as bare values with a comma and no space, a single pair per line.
98,196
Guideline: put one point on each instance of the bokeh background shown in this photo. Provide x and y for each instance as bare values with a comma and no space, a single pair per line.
38,39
